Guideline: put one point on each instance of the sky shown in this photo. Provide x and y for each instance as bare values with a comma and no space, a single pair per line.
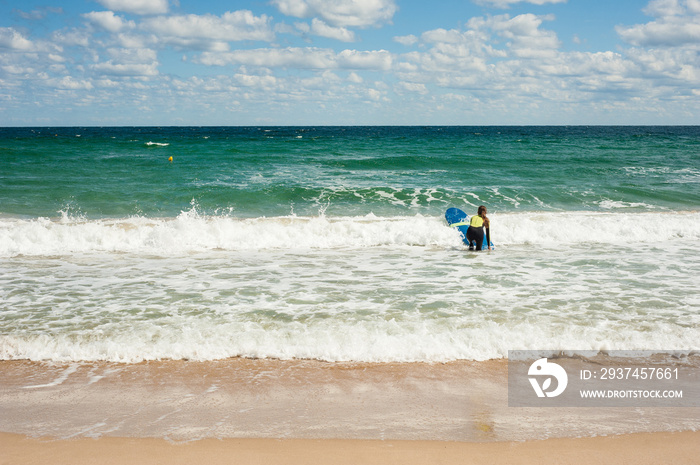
349,62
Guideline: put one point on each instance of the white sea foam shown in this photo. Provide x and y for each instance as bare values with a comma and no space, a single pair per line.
372,340
60,380
682,175
612,204
363,304
354,288
595,227
190,232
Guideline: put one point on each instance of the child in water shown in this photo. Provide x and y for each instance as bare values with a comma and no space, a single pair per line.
475,232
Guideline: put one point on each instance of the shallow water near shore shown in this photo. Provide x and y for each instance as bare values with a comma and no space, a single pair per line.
302,399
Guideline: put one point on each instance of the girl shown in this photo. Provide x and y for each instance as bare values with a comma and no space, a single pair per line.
477,223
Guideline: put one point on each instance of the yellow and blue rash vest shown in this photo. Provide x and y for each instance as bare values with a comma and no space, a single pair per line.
476,221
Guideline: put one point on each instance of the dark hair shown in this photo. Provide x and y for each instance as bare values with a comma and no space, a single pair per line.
481,210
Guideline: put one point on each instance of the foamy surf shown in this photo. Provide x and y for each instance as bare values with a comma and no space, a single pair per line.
390,301
191,232
366,341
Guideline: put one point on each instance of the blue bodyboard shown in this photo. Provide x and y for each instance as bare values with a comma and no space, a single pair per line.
459,220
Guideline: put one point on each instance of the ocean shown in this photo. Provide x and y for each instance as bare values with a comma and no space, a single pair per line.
329,243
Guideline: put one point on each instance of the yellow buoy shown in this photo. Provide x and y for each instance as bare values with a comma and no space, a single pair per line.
170,159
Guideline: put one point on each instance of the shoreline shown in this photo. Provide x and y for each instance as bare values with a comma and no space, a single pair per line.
463,401
293,412
639,449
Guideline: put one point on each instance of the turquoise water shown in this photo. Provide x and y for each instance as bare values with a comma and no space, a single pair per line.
329,243
251,172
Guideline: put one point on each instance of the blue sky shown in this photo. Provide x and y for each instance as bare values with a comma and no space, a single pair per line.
349,62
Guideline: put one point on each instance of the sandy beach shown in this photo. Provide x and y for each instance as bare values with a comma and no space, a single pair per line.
638,449
272,411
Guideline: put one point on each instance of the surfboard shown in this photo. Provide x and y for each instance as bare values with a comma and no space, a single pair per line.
456,218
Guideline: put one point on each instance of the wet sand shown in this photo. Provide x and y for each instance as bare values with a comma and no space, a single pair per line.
272,411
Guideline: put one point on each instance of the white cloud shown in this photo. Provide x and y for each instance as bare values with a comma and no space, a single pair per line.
302,27
70,83
610,65
18,69
413,87
374,94
126,69
201,31
658,8
322,29
296,8
355,78
528,66
529,62
474,42
139,7
508,3
301,58
693,6
667,33
677,23
406,40
526,37
343,13
379,60
668,65
108,20
11,39
128,62
126,55
450,52
71,37
320,82
443,36
248,80
128,40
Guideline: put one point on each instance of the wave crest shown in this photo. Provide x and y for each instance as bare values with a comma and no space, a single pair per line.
192,232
